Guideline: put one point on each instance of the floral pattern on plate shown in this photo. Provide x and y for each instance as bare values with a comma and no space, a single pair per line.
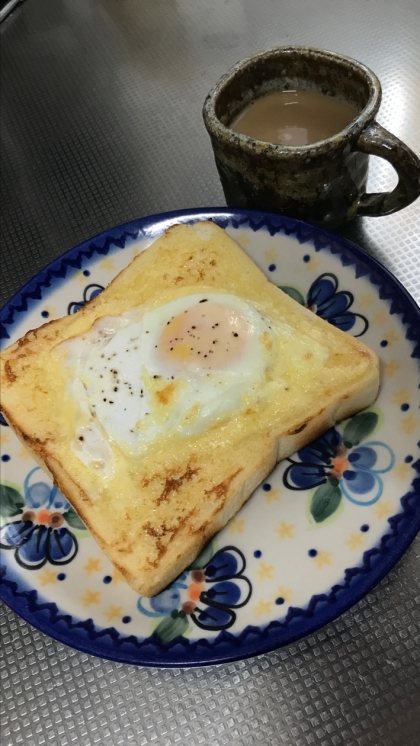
208,593
317,534
326,301
341,465
42,532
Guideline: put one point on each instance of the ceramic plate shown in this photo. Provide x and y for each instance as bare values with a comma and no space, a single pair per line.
315,537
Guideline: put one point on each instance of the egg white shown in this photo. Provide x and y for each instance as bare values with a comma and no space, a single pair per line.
117,377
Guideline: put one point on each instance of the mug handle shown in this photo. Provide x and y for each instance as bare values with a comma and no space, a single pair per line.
375,140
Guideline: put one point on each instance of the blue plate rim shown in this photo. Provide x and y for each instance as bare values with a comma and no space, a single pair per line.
321,609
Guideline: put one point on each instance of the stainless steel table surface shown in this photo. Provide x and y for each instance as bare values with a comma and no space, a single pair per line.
101,118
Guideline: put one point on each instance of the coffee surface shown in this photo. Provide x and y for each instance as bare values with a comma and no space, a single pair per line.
294,117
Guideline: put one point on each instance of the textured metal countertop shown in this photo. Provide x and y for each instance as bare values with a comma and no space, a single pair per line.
101,123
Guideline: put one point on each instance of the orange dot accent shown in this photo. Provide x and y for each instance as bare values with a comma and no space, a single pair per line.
43,516
340,464
194,591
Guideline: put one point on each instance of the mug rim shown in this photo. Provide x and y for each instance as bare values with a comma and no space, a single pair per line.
227,135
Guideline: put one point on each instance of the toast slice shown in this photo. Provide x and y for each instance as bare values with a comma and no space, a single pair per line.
154,508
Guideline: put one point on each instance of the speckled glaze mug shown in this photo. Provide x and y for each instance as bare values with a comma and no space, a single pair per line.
325,182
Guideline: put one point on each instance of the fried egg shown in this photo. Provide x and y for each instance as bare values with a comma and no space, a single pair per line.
175,369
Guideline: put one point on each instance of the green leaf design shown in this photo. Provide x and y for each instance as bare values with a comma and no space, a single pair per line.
325,501
293,293
73,520
11,501
358,428
172,626
204,557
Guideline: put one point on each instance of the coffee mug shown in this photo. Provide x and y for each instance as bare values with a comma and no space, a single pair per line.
323,182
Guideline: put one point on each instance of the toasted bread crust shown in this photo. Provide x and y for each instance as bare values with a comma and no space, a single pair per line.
174,504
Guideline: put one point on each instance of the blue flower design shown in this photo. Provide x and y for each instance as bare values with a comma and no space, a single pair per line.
331,304
90,292
208,594
337,465
40,535
326,301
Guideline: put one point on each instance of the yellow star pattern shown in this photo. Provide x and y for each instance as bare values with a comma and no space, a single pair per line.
236,526
243,238
265,571
271,255
410,424
285,593
51,310
391,337
117,577
4,439
313,264
47,576
273,495
391,368
107,264
403,470
366,300
263,607
114,612
285,530
90,598
383,509
401,396
92,565
323,558
79,276
380,317
355,540
23,453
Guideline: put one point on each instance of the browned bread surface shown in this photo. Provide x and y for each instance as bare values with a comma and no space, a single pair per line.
157,512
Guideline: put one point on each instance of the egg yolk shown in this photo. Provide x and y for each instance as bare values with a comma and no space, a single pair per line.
210,335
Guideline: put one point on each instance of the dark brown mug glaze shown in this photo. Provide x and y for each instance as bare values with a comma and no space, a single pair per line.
325,182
